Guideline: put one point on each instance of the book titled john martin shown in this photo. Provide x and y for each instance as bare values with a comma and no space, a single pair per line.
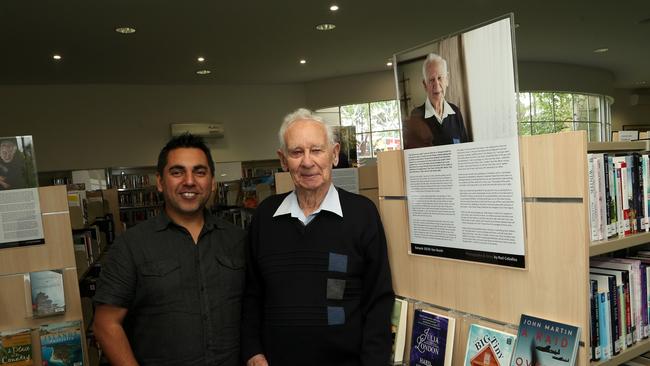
545,343
432,339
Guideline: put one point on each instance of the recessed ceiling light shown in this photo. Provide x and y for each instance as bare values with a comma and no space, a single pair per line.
334,7
303,61
203,72
389,64
56,57
601,50
640,83
200,59
125,30
325,26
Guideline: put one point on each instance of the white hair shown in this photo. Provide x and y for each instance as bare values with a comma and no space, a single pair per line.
432,57
303,114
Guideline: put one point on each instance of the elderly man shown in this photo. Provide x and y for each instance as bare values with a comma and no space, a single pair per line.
436,122
170,289
318,288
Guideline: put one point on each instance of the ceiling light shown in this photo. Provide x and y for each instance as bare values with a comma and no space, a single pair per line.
389,64
125,30
325,26
303,61
56,57
200,59
601,50
203,72
334,7
640,83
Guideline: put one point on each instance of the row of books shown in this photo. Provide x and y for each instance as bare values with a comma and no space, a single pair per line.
620,299
140,198
619,193
538,341
60,344
130,181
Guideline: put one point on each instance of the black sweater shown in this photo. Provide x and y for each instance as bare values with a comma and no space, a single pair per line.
319,294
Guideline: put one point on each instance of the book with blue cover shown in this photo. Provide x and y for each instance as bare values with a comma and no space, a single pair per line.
61,344
488,347
545,342
432,339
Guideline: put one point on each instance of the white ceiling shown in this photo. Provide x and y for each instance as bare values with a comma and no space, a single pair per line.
259,41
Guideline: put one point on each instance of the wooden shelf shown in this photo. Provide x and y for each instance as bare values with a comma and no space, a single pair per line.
630,353
140,207
607,246
642,145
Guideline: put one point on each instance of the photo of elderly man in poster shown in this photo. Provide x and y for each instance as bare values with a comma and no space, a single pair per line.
17,170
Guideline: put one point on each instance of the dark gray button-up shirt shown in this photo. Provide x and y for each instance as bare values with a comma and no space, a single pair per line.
183,299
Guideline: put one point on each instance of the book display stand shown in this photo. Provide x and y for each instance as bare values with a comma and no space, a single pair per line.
56,254
554,284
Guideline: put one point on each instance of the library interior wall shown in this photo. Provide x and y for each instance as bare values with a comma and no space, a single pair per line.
96,126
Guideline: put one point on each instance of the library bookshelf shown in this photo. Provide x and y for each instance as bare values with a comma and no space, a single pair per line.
554,285
56,253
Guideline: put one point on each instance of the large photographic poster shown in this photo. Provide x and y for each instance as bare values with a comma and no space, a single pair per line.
20,211
458,107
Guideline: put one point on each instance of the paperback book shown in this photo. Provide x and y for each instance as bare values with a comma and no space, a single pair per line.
398,329
61,344
545,342
488,347
16,348
432,339
48,296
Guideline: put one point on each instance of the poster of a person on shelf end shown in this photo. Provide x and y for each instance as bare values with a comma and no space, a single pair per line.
458,107
20,212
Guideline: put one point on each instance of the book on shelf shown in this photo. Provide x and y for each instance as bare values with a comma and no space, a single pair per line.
398,329
594,321
48,295
638,286
488,347
611,310
432,339
623,299
61,343
545,342
16,347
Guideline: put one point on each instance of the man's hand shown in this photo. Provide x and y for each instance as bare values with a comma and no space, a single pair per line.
257,360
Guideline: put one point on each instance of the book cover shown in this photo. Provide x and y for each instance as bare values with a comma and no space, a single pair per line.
398,329
432,339
61,344
16,348
488,347
545,342
48,297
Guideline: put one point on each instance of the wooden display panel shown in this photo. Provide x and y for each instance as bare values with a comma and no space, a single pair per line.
554,285
56,253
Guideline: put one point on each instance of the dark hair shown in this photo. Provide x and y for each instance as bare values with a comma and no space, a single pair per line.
186,140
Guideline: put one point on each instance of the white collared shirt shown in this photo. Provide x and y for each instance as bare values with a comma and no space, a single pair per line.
290,206
430,111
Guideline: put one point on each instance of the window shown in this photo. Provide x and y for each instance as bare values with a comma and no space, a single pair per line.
548,112
377,125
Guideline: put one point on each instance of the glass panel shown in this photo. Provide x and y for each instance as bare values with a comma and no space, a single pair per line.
594,132
563,104
525,128
594,108
523,108
386,140
542,106
580,110
356,115
364,147
384,115
563,126
540,128
580,126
